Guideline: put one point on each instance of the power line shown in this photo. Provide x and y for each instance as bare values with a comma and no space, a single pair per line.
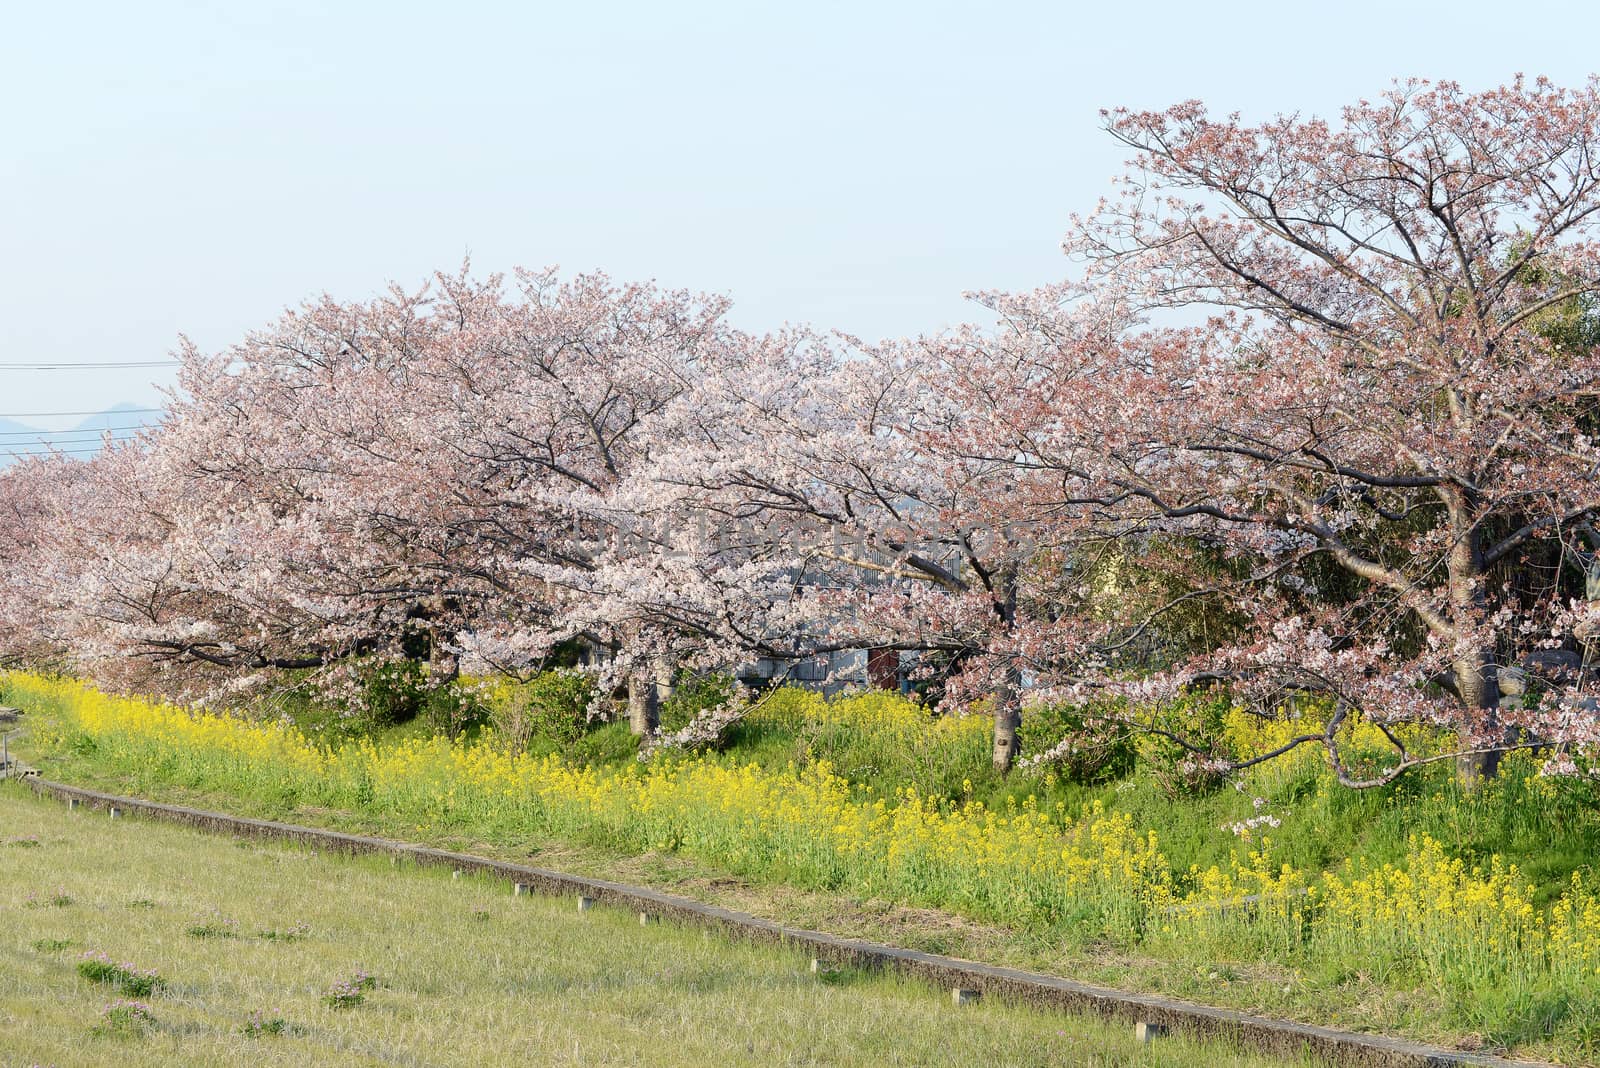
96,430
53,451
74,442
14,455
41,447
46,448
53,415
86,366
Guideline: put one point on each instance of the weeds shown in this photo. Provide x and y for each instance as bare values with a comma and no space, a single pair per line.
213,924
133,981
125,1017
348,993
288,934
58,898
262,1024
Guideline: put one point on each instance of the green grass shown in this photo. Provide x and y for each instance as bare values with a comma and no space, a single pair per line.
1549,828
464,973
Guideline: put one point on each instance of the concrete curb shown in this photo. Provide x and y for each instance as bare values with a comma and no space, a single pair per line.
1258,1032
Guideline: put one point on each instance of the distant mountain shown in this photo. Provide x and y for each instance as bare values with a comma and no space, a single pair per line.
120,417
82,439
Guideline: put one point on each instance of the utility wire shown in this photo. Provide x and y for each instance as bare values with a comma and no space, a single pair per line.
53,415
76,442
73,449
10,455
86,366
44,448
86,435
96,430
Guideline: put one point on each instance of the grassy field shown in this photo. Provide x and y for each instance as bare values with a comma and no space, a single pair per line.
252,944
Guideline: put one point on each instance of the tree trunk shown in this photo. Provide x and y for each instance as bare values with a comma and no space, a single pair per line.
644,704
1477,678
1480,695
665,671
1007,718
1591,642
1007,693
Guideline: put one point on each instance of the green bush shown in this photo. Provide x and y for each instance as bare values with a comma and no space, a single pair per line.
1201,720
692,695
356,699
392,692
1103,749
889,741
552,707
455,710
605,744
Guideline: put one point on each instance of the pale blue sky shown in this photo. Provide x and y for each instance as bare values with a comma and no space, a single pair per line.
197,167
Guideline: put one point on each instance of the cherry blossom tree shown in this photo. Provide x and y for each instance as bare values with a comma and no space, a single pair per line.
411,475
1374,426
88,570
38,498
425,464
800,501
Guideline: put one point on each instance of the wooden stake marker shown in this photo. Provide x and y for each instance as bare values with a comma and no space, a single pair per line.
72,804
115,812
520,889
1149,1032
585,903
963,996
646,919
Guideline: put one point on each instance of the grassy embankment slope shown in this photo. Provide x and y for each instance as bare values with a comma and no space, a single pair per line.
249,940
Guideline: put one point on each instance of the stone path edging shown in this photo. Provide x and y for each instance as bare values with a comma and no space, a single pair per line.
1263,1033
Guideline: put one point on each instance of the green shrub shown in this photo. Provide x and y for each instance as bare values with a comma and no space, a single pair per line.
392,692
889,741
124,1017
1201,720
455,710
356,699
605,744
1101,749
692,695
261,1024
552,707
788,708
133,981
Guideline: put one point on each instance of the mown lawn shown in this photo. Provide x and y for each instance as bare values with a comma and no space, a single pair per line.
244,935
